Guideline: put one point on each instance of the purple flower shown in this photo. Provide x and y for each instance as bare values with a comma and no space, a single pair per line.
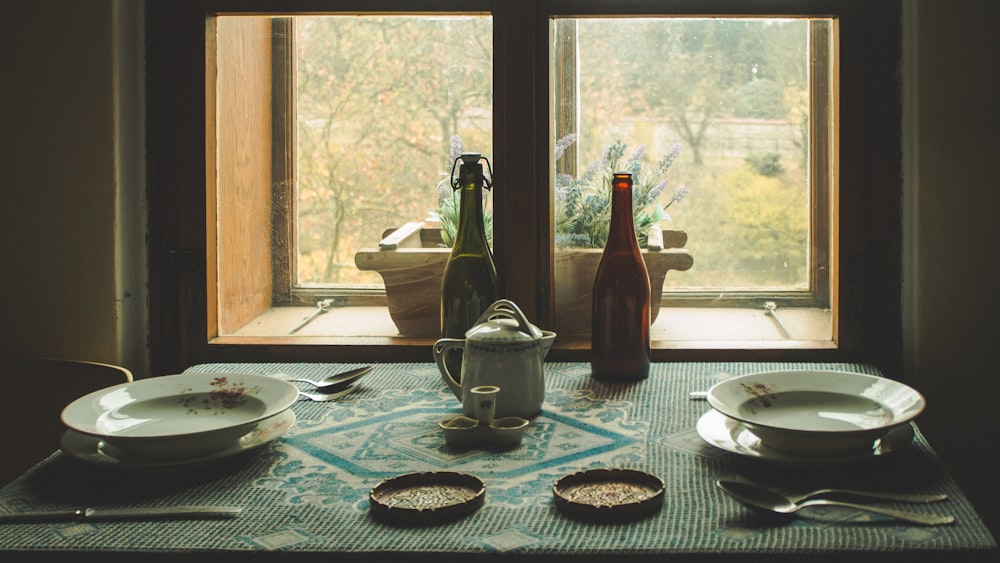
681,193
563,181
444,190
654,193
455,150
592,170
669,158
563,144
638,154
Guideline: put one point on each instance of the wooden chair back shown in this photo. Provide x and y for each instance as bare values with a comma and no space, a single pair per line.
33,393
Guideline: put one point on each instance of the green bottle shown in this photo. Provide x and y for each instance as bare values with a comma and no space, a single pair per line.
469,285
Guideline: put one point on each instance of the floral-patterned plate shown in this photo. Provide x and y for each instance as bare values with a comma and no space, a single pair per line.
730,435
94,450
179,416
808,412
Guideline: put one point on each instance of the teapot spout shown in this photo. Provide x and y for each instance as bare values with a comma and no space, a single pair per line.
548,338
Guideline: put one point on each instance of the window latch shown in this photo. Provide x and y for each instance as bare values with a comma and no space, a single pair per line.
771,310
322,306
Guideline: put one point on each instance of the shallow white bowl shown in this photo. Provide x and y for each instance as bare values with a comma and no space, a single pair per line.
97,451
811,412
179,416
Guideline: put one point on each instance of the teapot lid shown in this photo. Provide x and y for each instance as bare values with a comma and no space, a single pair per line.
503,322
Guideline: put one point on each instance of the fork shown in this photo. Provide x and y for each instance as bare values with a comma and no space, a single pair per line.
332,380
796,496
800,495
323,397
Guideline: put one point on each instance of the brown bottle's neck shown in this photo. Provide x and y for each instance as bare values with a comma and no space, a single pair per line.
622,228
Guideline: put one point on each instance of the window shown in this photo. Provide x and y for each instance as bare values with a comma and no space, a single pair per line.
770,124
742,109
329,130
379,102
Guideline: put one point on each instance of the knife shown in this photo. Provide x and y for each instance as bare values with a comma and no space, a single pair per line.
186,512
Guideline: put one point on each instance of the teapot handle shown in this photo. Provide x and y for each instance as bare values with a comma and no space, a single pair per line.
505,308
440,350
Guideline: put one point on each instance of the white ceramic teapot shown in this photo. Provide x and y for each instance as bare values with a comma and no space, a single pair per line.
502,349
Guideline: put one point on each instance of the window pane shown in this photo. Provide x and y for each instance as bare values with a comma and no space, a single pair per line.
733,95
378,102
331,130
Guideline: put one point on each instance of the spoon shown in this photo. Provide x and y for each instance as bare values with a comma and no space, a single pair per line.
335,380
324,397
796,496
769,500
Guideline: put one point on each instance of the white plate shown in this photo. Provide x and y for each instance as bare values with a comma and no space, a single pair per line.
179,416
732,436
94,450
816,412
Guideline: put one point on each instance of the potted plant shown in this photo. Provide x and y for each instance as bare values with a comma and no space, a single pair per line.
583,216
411,259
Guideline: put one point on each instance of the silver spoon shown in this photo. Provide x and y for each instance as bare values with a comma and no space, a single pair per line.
769,500
323,397
335,380
796,496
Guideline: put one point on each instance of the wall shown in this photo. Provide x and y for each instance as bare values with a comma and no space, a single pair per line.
73,219
951,205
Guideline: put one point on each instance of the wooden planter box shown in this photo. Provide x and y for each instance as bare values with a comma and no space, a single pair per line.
578,267
411,263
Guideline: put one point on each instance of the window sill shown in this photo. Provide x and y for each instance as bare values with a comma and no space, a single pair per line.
676,328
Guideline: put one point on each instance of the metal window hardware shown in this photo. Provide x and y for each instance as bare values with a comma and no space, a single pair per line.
771,310
322,306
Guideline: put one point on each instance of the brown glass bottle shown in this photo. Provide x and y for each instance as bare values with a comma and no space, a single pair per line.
469,284
620,331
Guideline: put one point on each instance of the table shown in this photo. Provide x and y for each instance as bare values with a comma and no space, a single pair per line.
306,494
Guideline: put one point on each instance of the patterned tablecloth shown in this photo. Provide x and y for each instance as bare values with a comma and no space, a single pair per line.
306,495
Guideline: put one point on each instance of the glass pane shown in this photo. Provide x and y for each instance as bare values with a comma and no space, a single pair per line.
382,105
733,97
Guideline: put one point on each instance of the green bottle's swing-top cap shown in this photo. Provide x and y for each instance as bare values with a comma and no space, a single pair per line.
470,165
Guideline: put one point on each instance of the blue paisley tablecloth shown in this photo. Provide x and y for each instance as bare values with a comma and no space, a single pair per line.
306,495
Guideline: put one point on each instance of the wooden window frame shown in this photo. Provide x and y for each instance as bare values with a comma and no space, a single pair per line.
817,293
866,283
